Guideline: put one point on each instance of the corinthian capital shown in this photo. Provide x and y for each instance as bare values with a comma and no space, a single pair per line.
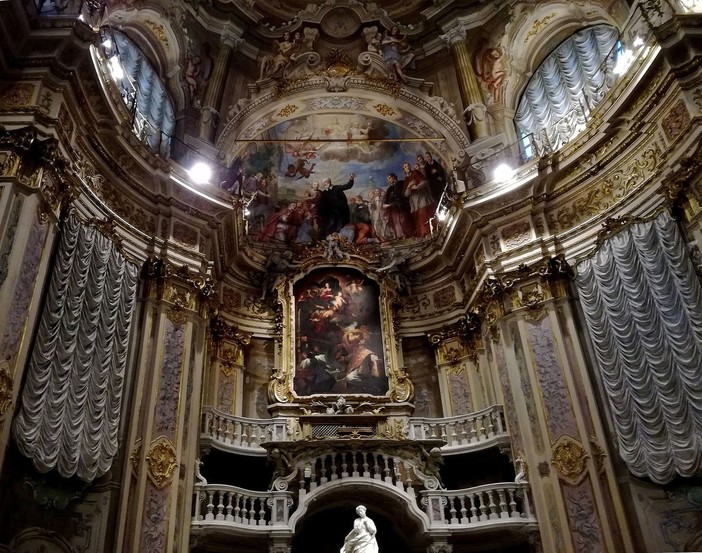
455,34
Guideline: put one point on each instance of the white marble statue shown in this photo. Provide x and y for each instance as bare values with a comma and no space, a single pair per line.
362,538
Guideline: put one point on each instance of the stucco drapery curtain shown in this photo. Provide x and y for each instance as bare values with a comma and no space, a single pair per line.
643,306
568,83
70,405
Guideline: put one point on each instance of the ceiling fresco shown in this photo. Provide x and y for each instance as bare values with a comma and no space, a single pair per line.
332,174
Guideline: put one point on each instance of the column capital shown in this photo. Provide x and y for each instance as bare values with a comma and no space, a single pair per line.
230,37
455,35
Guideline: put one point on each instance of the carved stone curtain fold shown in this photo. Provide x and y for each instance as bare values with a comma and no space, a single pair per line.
70,404
568,83
643,306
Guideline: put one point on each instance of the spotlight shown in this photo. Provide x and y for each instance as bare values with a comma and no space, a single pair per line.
442,215
624,60
107,44
200,173
638,42
503,173
116,68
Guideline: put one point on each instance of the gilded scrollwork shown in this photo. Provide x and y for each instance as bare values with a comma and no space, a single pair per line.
570,459
161,462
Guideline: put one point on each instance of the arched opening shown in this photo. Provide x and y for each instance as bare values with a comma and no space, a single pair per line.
567,85
330,518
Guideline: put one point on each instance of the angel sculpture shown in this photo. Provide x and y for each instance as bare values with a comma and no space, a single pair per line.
277,265
274,64
374,39
396,269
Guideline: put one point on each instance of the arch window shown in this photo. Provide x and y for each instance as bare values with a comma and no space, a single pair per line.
567,85
144,94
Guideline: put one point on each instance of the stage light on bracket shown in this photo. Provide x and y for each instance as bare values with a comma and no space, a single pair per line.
200,173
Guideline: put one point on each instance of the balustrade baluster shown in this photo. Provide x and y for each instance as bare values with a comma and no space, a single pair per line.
491,504
464,511
236,435
376,466
432,428
451,434
397,473
262,511
491,425
484,510
220,507
332,470
386,471
210,505
473,507
220,430
464,432
513,511
364,458
473,431
503,504
442,429
244,434
237,508
244,510
228,425
452,509
228,510
481,430
354,464
323,470
344,464
408,480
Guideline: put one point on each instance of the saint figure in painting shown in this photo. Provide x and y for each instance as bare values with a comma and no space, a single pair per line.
364,371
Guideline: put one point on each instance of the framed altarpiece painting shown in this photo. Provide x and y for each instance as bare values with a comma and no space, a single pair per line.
338,340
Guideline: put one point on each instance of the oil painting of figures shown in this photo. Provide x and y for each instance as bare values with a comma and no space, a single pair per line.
364,178
338,338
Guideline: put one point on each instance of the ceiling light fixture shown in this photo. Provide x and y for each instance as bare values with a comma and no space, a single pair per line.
200,173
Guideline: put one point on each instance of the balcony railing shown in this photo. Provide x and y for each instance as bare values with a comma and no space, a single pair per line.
493,505
463,433
239,508
480,506
240,434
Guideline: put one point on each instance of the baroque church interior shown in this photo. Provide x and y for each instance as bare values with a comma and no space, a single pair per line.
263,262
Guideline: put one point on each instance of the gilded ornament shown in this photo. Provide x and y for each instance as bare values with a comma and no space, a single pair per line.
229,360
569,459
444,297
287,110
134,456
6,386
538,25
516,235
158,30
384,110
161,461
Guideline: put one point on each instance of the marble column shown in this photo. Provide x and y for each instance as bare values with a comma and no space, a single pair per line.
550,408
164,416
209,114
475,110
